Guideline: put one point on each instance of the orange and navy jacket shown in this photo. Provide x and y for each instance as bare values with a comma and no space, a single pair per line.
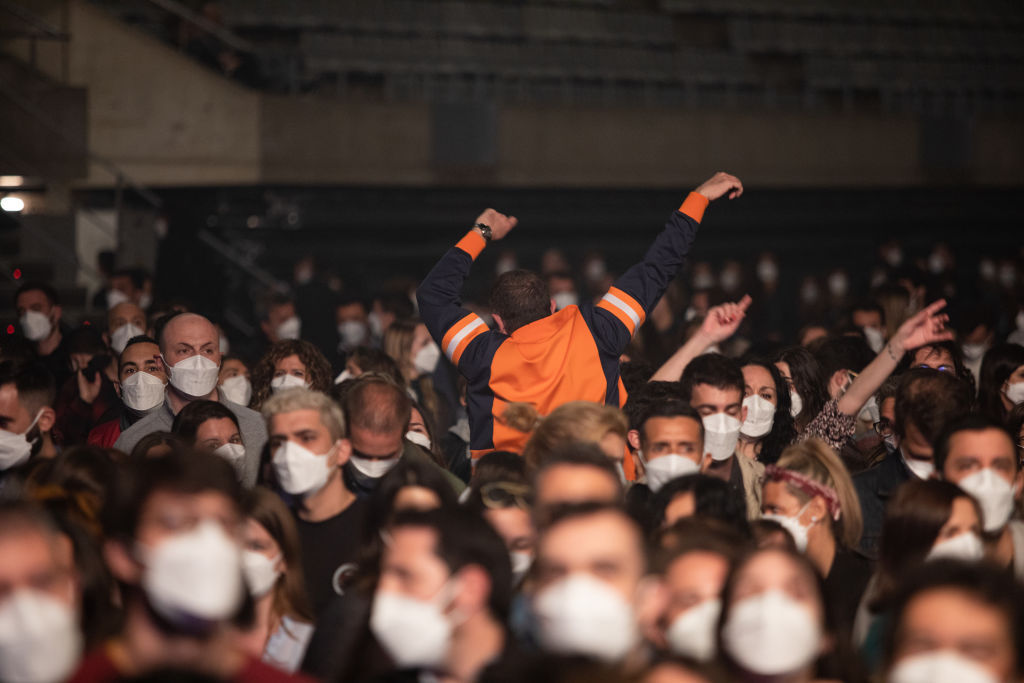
571,355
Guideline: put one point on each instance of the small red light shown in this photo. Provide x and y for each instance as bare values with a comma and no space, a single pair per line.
86,323
10,329
17,273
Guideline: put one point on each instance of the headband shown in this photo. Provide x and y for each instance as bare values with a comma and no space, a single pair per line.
807,485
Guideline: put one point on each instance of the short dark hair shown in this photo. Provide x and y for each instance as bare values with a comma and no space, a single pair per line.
698,534
930,399
669,408
85,340
378,405
647,396
274,301
580,455
968,423
49,292
187,422
136,275
713,369
520,298
422,473
568,512
35,385
465,539
989,585
140,339
868,305
712,497
187,472
835,353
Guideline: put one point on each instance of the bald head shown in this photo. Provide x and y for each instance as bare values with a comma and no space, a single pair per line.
124,313
378,406
189,334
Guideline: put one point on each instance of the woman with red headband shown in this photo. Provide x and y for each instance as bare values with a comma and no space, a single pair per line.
810,494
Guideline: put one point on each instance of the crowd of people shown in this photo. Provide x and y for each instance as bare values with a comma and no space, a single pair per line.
611,478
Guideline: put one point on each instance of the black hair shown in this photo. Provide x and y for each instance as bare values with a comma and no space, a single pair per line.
968,423
49,292
140,339
712,499
381,504
648,397
868,305
999,363
697,534
993,587
85,340
35,384
929,399
499,466
186,472
808,381
783,431
580,455
714,369
840,353
187,422
154,439
568,512
465,539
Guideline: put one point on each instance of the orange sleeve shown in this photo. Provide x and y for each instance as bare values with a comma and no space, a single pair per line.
694,206
473,243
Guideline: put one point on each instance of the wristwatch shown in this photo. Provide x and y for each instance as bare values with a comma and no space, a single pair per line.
485,230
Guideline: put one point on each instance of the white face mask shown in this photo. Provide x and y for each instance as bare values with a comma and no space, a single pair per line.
145,301
195,574
771,634
224,345
419,438
580,614
290,329
120,337
922,469
939,666
521,563
426,359
414,633
794,526
504,265
721,432
234,453
287,382
796,403
36,326
299,470
1015,393
345,376
237,389
375,468
115,297
664,468
809,293
195,376
760,416
352,333
261,572
375,324
693,633
730,280
966,546
565,299
973,352
767,272
40,641
16,448
142,391
870,412
994,495
875,338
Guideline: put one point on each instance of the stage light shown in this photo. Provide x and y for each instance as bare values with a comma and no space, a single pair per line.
12,204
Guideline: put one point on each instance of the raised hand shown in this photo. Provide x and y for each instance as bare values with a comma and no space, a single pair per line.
723,321
928,326
499,223
721,184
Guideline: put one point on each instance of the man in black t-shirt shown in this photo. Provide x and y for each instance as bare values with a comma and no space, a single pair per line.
308,448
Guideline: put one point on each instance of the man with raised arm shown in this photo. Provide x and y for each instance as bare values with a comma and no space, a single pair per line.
536,355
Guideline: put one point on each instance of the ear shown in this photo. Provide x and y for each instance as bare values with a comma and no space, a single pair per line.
633,438
106,339
57,313
652,602
343,452
818,509
705,462
122,565
1018,484
499,322
553,306
836,382
46,420
743,414
474,591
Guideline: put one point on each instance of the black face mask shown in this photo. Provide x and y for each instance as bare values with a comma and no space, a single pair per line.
358,483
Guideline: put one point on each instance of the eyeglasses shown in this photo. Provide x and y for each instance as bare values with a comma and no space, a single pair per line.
884,427
500,495
940,368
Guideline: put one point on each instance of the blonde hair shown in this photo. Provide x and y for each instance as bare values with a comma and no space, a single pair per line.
573,422
815,460
298,398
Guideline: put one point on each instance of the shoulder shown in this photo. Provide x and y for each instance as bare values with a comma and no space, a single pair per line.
147,425
256,671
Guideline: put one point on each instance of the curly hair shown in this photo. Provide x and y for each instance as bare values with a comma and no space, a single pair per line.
318,370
